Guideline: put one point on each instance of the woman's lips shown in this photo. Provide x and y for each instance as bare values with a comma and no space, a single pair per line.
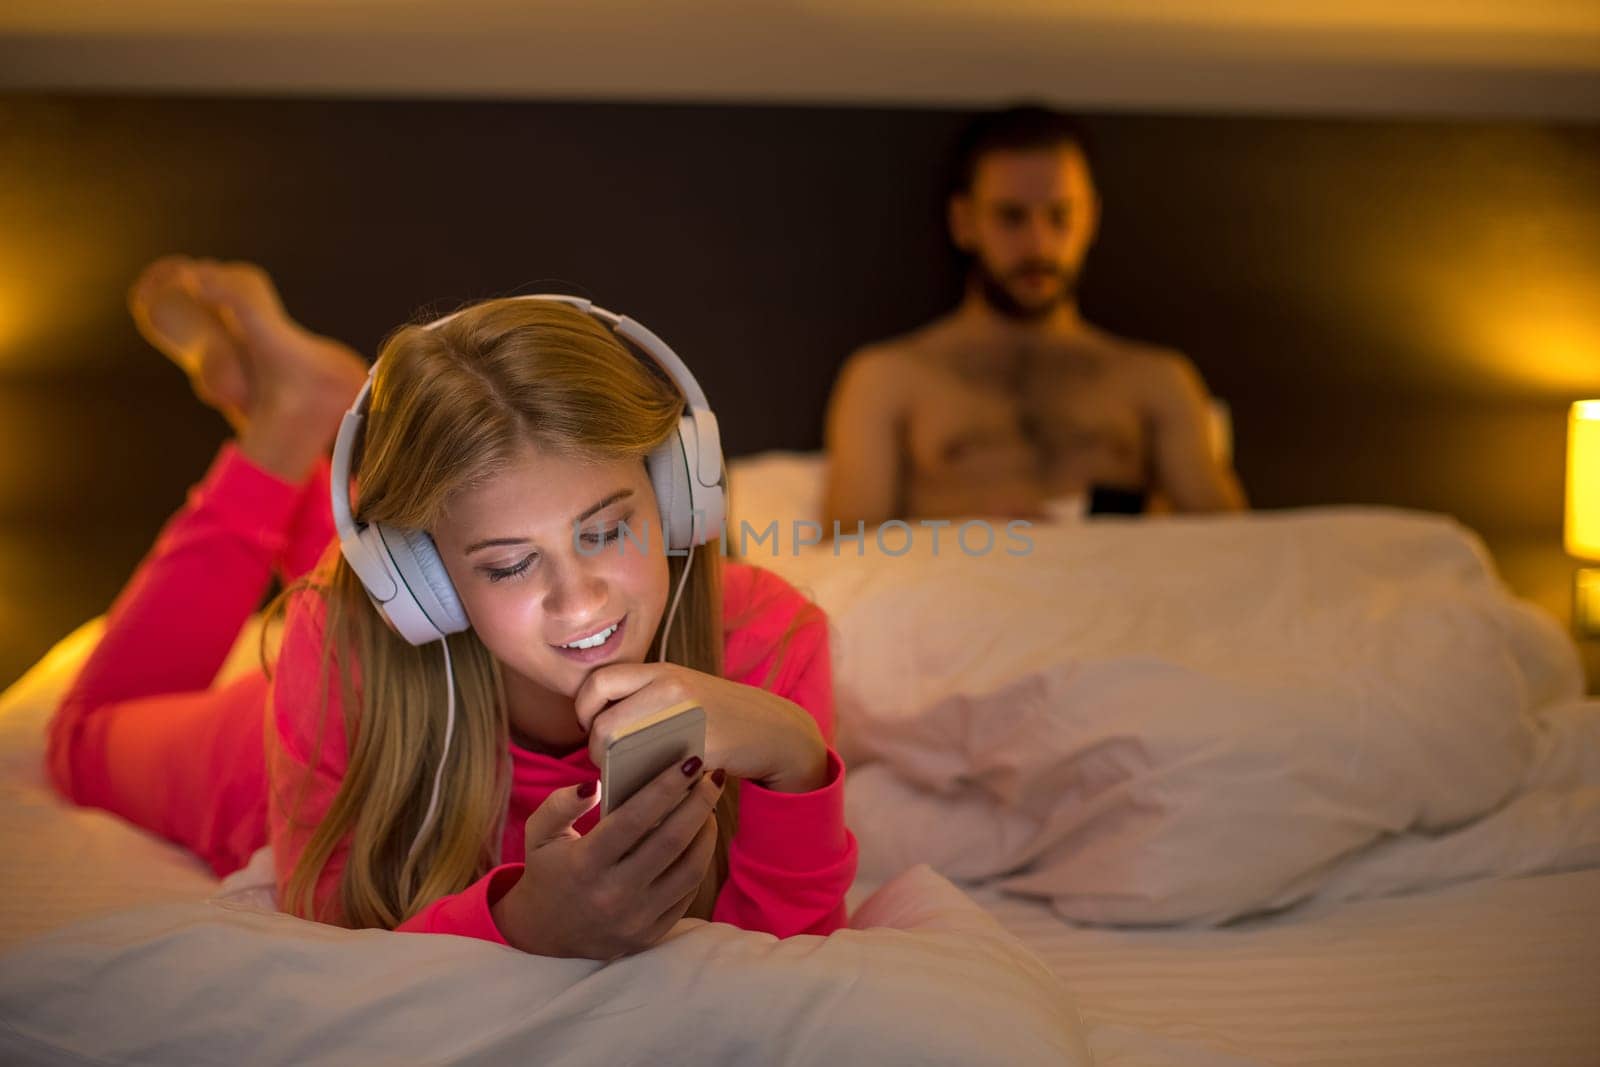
600,652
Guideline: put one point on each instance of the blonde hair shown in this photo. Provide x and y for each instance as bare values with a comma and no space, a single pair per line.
451,407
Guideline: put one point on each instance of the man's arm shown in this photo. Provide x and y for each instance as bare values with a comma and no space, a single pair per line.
863,438
1187,470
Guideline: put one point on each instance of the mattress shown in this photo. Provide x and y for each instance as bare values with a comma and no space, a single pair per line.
1464,929
1490,972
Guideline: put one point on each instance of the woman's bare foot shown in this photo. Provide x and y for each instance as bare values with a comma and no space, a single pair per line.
167,309
296,384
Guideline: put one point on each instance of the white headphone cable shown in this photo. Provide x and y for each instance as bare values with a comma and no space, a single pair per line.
688,561
438,775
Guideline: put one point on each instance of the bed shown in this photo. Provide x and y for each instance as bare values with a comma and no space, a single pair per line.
1389,757
1307,787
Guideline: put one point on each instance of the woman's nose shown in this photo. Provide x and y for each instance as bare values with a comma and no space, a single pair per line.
577,592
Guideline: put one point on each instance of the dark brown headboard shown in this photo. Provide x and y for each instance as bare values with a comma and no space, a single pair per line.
1397,312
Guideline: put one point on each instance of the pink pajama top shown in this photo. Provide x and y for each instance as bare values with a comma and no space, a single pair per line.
141,732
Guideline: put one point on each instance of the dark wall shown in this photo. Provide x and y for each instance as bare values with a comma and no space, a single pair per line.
1397,313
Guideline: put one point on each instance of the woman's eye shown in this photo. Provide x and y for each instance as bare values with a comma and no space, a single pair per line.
604,537
500,574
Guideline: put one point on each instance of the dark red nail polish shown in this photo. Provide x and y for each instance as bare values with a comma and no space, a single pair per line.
719,776
586,790
690,766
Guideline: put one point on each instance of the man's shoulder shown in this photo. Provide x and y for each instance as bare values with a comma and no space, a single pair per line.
891,358
1158,366
1142,355
1163,378
889,352
874,373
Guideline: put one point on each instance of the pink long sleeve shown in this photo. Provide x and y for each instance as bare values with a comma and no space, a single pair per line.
140,732
306,751
212,559
144,734
307,757
792,859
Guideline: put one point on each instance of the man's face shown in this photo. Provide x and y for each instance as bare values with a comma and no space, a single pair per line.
1027,222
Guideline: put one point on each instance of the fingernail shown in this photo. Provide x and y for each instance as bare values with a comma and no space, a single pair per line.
690,766
586,790
718,776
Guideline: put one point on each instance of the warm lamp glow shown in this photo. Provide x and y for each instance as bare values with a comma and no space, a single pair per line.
1583,480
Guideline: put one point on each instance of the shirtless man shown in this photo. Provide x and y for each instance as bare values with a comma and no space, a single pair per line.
1012,405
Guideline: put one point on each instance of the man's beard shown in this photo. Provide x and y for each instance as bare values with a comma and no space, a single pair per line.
995,293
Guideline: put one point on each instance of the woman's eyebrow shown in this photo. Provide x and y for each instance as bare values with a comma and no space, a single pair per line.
620,494
492,542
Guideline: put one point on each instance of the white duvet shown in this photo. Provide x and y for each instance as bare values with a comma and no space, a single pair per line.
1196,719
1138,722
925,977
119,948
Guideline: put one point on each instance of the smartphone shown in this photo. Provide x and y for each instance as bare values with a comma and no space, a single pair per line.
1112,500
646,748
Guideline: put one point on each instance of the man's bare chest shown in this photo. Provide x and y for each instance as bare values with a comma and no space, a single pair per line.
1053,407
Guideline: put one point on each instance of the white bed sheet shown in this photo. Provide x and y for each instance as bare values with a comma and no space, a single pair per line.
119,948
1493,971
1502,972
1502,967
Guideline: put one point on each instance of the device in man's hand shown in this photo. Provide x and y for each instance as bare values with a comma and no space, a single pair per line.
648,747
1114,500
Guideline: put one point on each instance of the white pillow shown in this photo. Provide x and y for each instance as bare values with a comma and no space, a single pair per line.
1184,719
775,486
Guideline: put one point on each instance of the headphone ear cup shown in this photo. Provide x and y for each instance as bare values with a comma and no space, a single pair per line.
691,514
424,579
669,475
707,503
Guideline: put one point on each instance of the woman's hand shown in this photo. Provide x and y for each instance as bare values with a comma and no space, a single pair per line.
750,733
620,888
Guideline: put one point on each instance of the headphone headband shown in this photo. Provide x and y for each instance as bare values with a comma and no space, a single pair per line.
400,568
708,437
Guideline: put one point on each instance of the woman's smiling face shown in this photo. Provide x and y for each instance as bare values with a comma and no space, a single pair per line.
539,558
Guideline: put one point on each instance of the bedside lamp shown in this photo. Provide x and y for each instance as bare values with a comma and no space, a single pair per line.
1583,512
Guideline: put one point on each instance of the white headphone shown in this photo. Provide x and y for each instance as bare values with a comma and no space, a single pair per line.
400,567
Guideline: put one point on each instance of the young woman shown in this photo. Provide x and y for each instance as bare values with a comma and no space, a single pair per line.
515,434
